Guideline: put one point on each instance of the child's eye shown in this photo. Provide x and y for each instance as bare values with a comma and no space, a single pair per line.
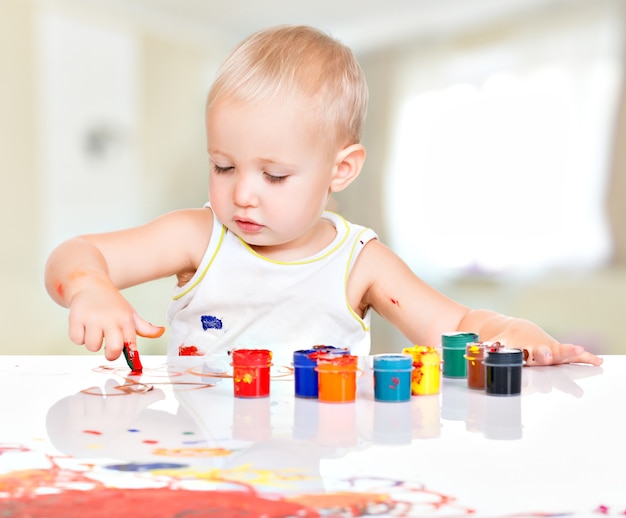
219,170
272,178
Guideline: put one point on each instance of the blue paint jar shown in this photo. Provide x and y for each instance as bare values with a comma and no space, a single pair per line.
392,377
304,369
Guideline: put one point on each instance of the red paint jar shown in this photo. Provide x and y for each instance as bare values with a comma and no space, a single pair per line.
251,372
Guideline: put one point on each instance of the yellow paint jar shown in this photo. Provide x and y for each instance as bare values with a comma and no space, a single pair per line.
426,375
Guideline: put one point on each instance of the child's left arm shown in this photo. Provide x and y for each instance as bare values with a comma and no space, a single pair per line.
382,281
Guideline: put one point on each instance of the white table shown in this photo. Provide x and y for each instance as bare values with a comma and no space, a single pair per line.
78,437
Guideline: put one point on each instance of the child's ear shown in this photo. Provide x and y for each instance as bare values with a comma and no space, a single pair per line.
348,164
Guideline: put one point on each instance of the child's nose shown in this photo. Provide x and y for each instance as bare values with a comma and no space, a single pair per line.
244,193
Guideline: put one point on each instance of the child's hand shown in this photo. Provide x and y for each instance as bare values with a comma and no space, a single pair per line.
555,353
101,314
539,347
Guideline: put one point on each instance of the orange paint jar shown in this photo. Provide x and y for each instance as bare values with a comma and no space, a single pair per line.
426,375
337,377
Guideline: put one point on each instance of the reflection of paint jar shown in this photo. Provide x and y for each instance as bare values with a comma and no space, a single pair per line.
503,418
426,376
251,372
474,355
453,346
336,377
392,423
392,377
425,417
304,369
252,419
503,371
305,418
337,426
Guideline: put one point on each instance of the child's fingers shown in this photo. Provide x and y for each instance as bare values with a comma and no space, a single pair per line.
560,353
539,355
146,329
93,338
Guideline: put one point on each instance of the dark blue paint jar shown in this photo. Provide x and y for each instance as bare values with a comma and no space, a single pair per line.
304,369
503,371
392,377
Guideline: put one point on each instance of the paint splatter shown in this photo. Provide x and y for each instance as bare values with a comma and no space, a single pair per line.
189,350
148,466
394,383
210,322
142,503
395,302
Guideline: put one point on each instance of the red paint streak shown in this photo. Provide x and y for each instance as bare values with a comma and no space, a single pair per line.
150,441
61,290
92,432
142,503
396,302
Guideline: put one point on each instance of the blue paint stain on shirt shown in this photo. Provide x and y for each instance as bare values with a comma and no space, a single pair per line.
210,322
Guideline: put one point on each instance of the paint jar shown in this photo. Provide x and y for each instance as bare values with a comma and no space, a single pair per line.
474,354
453,347
251,372
426,374
392,377
503,371
336,377
305,372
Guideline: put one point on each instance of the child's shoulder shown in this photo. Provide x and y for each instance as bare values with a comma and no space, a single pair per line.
190,229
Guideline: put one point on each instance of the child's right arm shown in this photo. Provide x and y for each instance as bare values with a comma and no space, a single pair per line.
86,273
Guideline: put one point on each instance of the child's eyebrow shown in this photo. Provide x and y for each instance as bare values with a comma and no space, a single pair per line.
276,162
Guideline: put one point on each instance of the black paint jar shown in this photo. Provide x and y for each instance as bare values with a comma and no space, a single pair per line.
503,371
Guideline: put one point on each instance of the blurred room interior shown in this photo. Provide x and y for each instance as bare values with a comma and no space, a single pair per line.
496,139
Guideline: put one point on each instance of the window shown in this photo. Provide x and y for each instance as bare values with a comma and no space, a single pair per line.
501,153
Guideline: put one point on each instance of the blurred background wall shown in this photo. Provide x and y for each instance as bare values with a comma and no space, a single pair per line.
496,146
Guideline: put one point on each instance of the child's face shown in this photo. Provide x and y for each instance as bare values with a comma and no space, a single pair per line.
271,170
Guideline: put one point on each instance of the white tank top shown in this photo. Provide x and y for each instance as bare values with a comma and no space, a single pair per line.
240,299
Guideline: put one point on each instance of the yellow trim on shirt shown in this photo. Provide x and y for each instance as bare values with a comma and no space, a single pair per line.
345,280
206,268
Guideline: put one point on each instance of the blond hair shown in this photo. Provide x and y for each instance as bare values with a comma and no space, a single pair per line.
298,60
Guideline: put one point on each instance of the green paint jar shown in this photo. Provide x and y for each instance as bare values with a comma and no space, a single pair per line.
453,346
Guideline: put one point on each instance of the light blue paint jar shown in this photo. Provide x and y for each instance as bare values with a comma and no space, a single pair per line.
392,377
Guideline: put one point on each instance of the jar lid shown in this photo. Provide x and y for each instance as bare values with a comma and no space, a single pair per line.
504,356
